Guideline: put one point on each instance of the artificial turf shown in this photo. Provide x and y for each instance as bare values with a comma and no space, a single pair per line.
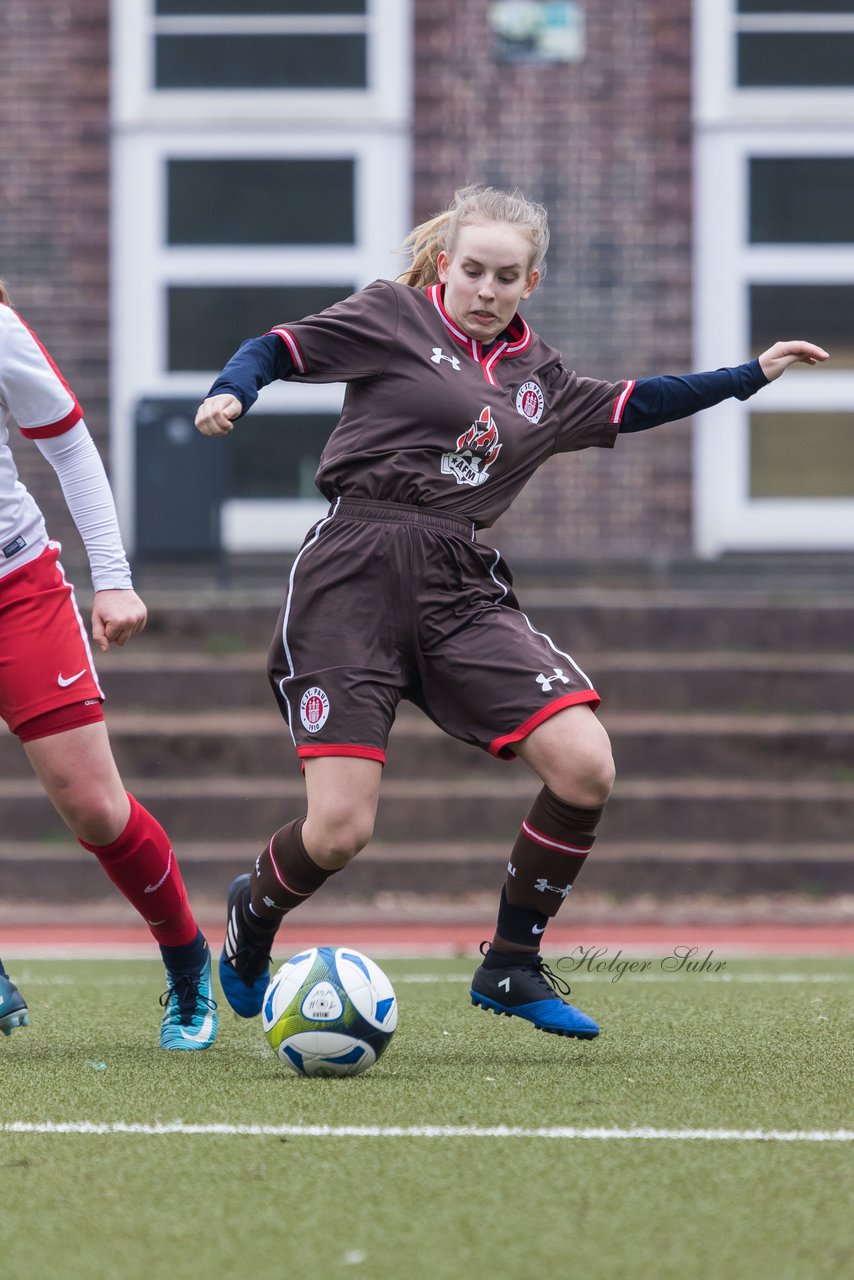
763,1045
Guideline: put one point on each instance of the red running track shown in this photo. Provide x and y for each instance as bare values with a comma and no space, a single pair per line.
408,938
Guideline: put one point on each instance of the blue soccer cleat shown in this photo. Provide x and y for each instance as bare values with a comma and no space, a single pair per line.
244,965
13,1007
189,1010
525,988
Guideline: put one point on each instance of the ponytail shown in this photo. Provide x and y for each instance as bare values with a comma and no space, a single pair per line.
424,244
4,294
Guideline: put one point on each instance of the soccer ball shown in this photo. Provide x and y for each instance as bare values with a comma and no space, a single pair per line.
330,1011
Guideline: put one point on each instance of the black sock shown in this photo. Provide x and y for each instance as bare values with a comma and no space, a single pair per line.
494,959
260,931
522,925
188,958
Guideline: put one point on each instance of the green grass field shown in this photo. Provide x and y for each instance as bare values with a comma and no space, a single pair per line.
765,1045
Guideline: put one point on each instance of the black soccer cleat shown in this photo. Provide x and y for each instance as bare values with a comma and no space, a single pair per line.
244,965
527,988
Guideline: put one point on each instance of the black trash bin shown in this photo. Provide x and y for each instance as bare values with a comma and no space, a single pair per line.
180,483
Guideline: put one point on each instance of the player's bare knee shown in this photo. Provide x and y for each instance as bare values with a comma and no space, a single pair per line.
604,774
587,777
93,817
338,837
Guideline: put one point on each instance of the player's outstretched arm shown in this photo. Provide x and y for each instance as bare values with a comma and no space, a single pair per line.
216,415
777,359
117,615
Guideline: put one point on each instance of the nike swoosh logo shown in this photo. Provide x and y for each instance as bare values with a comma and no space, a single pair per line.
536,929
64,681
204,1030
152,888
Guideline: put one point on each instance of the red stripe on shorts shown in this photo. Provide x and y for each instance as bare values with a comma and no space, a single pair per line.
342,749
501,746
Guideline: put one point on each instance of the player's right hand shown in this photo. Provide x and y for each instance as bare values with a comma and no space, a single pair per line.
215,416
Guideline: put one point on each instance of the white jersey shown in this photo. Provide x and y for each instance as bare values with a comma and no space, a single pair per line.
35,398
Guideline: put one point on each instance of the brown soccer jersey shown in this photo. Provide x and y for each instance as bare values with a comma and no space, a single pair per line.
429,419
390,596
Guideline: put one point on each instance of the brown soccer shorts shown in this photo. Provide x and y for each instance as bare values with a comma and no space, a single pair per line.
387,601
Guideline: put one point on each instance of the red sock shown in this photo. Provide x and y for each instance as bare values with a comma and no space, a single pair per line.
143,867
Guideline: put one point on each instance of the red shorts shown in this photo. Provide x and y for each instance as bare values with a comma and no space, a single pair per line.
45,659
388,602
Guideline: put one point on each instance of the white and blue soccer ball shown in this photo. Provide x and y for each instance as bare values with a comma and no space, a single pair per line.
330,1011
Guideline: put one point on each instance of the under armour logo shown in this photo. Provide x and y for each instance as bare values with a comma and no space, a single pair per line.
438,356
548,681
511,870
544,887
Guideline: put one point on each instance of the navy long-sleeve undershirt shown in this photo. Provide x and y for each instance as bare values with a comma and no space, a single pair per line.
653,401
670,397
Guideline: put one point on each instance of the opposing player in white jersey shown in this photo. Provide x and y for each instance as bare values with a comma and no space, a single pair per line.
49,691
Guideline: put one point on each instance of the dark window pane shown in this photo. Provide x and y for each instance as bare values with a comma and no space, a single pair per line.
802,201
791,58
802,455
809,8
260,201
207,324
276,455
277,8
822,313
261,62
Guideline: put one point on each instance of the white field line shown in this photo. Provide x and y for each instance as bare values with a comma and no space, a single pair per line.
588,978
429,1131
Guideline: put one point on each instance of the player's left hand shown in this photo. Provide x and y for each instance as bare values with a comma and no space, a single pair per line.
117,615
777,359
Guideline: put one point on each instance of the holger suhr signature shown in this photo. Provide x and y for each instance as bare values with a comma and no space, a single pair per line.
683,959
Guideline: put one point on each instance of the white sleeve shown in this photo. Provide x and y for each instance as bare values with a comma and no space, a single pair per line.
78,465
31,386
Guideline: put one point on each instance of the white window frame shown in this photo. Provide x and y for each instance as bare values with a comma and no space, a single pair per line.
152,127
731,127
384,101
719,100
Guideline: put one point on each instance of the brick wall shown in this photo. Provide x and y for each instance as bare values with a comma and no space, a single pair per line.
606,145
54,208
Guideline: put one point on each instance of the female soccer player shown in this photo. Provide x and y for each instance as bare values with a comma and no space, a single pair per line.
49,691
452,403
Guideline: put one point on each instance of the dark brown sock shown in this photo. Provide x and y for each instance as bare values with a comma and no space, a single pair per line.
549,852
284,875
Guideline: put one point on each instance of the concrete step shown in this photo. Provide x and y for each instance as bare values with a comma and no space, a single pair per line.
255,742
810,615
628,681
34,872
248,809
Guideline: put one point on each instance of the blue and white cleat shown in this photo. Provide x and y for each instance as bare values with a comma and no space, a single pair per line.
526,988
13,1007
189,1010
244,965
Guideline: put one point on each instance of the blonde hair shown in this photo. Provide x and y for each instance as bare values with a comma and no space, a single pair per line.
473,203
4,294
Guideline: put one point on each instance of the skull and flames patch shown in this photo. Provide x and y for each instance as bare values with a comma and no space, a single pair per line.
476,450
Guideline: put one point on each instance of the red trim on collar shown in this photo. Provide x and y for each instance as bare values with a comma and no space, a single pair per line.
518,332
